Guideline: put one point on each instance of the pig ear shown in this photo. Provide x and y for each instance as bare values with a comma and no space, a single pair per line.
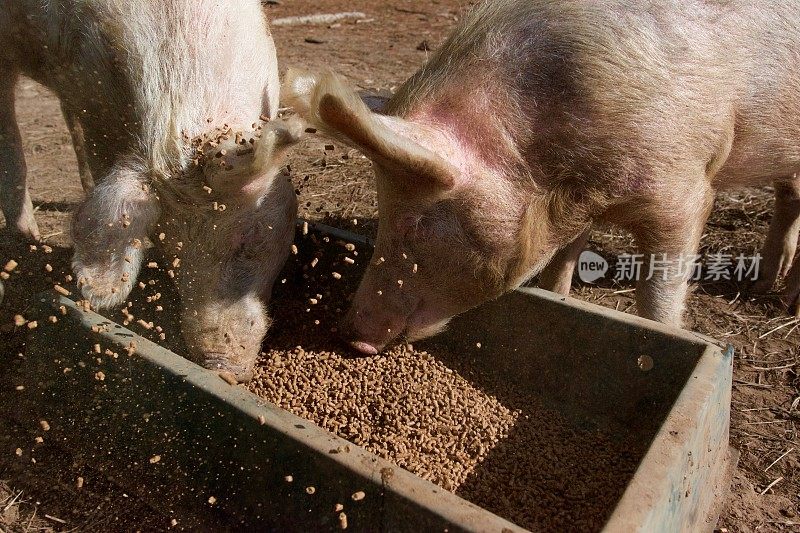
110,229
232,165
328,104
276,137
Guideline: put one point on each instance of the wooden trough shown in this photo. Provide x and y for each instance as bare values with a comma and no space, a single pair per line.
220,443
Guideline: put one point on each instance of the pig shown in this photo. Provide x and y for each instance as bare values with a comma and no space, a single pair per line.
164,101
536,118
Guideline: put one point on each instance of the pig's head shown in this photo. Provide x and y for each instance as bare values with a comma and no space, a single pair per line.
224,225
453,230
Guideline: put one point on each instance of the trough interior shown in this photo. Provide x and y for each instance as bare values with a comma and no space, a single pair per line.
593,369
576,357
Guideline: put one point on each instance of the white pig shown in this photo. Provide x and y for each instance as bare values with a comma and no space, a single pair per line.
537,117
163,98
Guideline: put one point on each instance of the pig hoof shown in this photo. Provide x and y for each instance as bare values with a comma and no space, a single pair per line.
26,225
26,231
223,366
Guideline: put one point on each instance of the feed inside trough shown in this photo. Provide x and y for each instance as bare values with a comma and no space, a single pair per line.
425,410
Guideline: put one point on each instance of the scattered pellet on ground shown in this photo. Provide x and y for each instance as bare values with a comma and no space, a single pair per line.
228,378
61,290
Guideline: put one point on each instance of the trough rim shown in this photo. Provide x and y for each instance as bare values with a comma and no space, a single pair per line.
451,508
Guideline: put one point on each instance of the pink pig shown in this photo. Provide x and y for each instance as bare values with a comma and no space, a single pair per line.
538,117
163,98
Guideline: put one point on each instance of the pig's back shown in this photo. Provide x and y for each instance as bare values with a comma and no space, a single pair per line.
767,124
147,73
626,81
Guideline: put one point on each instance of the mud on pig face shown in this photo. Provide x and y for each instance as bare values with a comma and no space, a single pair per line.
224,227
447,232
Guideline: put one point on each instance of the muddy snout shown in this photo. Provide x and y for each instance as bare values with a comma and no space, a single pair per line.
226,340
225,365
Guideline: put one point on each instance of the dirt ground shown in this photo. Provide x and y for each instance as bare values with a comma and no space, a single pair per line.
379,52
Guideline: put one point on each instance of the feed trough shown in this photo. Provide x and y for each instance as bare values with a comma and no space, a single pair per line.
228,459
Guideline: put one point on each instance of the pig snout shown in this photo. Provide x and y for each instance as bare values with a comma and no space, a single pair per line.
368,328
372,320
227,338
377,317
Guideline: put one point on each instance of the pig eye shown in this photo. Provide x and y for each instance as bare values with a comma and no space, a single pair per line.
408,224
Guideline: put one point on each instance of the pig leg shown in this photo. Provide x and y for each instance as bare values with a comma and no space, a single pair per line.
792,294
557,275
781,243
668,239
15,200
109,230
78,143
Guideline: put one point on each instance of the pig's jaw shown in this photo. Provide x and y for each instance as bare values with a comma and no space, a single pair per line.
420,324
427,331
373,348
221,362
366,337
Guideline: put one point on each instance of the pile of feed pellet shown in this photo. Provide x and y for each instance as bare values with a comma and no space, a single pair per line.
504,450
